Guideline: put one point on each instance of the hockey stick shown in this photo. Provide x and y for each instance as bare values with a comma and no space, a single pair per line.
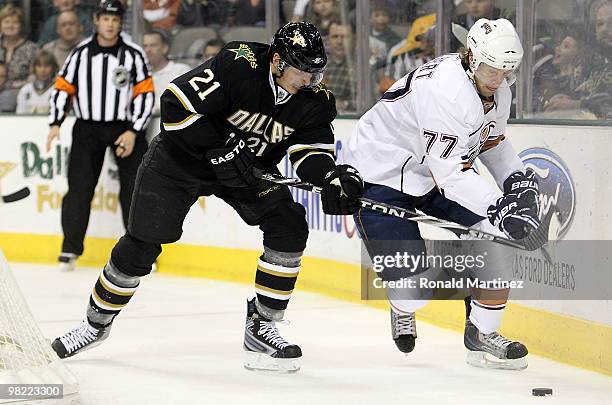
536,239
16,196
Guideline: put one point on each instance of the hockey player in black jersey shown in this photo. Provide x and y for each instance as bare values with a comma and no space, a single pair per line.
247,107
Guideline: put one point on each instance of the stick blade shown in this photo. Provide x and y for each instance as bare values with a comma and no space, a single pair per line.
548,230
16,196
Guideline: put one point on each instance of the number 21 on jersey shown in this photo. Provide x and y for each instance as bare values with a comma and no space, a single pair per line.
201,84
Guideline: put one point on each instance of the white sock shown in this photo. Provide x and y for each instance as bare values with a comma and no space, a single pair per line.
487,318
406,300
405,307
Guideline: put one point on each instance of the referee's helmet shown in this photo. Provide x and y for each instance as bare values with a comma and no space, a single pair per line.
114,7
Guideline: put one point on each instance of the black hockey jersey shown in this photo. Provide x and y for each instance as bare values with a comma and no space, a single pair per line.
235,92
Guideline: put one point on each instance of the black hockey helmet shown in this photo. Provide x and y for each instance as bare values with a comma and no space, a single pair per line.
114,7
300,45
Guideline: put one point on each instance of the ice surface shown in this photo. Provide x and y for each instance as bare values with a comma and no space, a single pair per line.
180,342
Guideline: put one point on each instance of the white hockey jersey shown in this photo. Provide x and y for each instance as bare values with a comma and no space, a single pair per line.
427,131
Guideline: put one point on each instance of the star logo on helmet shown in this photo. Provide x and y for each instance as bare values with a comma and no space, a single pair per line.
298,39
317,60
243,51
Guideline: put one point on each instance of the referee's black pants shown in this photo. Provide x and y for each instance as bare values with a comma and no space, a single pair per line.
89,142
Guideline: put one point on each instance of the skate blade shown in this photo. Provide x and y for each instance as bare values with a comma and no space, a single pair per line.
262,362
486,360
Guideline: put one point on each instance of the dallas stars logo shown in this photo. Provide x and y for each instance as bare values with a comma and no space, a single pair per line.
298,39
243,51
323,88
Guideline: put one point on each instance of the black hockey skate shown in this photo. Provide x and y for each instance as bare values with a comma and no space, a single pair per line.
492,350
403,330
265,348
81,338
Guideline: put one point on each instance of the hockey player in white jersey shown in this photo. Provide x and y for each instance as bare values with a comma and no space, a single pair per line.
416,149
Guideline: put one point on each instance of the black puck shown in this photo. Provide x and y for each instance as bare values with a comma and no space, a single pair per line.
541,392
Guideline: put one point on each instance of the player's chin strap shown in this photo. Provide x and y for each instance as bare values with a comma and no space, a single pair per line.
536,239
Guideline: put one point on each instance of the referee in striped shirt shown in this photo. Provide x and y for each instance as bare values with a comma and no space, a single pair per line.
107,81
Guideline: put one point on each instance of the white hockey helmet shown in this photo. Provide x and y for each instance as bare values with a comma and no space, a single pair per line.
496,43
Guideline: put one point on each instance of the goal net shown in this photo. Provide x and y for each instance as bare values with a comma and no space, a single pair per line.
26,357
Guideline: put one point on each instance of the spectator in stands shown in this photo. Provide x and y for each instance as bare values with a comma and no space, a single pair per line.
378,53
161,14
50,31
8,100
410,53
382,38
477,9
126,25
156,44
37,15
303,10
340,72
322,13
299,10
211,49
33,97
596,92
88,5
406,11
200,13
428,44
248,12
15,50
379,19
562,73
70,33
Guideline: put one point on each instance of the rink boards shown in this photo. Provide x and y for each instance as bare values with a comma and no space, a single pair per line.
574,174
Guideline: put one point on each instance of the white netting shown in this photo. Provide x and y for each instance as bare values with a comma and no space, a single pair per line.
26,357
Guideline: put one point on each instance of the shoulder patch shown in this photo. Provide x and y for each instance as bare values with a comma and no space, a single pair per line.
244,51
321,87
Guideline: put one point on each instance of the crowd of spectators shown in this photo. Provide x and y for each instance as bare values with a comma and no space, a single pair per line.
171,14
16,52
31,56
571,71
573,77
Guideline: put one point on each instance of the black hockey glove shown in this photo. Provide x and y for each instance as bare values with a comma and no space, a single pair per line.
524,186
513,216
342,189
233,165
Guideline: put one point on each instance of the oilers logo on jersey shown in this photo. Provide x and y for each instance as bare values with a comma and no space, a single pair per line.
474,150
